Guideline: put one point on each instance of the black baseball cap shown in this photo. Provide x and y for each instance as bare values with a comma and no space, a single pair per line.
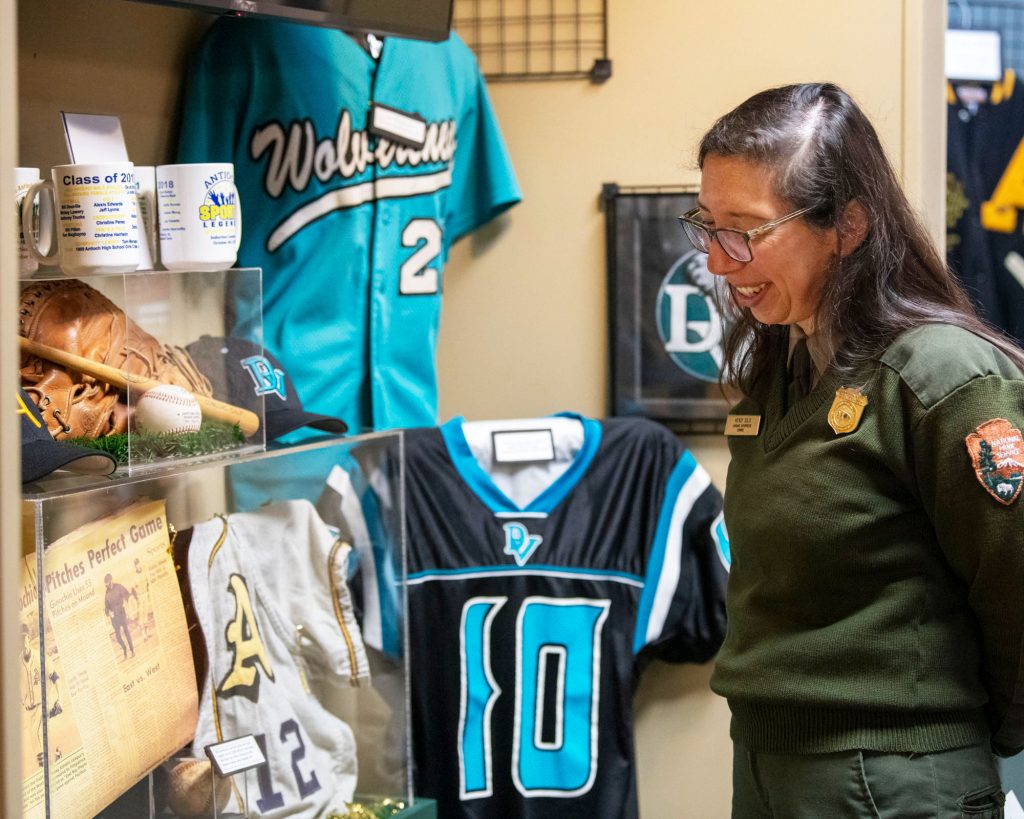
41,454
241,372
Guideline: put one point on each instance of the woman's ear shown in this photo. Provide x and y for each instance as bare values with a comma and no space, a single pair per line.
852,227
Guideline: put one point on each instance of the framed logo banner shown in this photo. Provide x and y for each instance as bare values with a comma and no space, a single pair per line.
666,332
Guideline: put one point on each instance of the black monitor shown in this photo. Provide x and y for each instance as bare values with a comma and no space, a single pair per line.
416,19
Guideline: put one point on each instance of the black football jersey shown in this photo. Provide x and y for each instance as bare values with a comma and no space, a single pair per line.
985,197
530,618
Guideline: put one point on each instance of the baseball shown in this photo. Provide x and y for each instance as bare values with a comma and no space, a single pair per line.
168,408
191,787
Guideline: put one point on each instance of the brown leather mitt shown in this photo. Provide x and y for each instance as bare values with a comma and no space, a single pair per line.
70,315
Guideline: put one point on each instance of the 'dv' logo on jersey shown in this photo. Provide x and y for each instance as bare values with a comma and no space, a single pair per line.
520,543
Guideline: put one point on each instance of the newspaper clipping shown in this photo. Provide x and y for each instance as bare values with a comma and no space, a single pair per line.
119,683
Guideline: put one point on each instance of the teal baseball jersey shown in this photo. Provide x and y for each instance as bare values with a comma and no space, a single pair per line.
351,229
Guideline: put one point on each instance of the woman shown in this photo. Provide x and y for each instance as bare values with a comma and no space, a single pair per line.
875,605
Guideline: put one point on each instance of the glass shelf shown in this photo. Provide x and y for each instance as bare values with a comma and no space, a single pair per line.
155,319
62,483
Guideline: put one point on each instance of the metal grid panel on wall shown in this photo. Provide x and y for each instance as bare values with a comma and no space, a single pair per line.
536,39
1004,16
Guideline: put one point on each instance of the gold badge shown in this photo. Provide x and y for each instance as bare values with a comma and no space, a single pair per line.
743,425
847,408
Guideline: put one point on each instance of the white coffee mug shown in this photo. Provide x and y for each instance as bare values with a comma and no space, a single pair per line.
97,223
200,216
145,193
25,178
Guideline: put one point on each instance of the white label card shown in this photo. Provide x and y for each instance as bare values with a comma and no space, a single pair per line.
973,55
235,755
398,126
523,446
93,138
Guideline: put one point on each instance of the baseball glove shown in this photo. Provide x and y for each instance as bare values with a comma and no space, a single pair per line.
70,315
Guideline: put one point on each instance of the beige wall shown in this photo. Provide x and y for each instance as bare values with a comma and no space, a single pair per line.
101,57
524,331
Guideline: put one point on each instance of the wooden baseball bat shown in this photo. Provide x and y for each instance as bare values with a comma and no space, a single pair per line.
247,421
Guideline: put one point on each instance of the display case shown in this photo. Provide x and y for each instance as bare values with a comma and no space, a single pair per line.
161,618
112,362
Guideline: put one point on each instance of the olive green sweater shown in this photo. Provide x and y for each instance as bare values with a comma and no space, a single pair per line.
876,599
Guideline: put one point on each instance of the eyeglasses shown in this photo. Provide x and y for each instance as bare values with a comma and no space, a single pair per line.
736,243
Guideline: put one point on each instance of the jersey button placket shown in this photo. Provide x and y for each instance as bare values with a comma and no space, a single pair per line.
379,314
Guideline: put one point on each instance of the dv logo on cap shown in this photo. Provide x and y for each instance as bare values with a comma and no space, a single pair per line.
265,376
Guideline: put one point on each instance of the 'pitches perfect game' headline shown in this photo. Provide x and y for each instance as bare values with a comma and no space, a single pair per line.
136,532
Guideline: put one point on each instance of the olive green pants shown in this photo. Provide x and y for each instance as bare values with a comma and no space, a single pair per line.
867,785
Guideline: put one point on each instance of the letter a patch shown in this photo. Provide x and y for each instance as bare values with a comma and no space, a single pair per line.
997,453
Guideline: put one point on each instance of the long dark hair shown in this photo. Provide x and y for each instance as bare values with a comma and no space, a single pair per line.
823,152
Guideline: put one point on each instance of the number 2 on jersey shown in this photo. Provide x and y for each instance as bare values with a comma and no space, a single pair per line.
556,696
415,278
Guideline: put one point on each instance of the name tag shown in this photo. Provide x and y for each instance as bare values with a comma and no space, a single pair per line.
398,126
743,425
524,446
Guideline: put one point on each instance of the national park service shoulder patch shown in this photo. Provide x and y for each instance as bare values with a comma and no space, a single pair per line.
997,453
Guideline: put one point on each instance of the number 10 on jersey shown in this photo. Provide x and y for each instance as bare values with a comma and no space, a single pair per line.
557,692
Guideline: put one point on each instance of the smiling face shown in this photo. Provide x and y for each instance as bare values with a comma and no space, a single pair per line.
783,282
